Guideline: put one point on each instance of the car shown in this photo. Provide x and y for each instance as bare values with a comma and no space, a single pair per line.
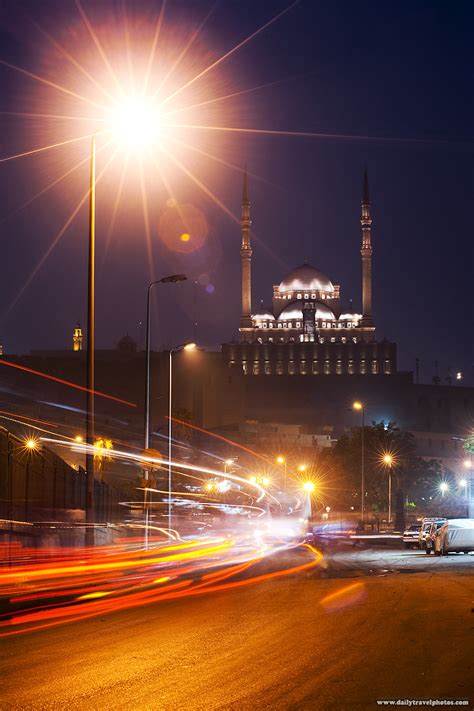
431,535
411,535
425,529
455,536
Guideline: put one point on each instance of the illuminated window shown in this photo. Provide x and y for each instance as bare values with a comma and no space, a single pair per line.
386,367
298,296
363,367
339,325
279,367
264,325
315,367
354,339
244,367
349,324
268,367
313,296
291,367
327,367
339,367
333,340
289,325
375,367
298,324
344,339
350,367
306,296
256,367
303,367
280,325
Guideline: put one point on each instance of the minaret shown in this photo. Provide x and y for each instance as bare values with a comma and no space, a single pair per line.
246,254
366,254
77,337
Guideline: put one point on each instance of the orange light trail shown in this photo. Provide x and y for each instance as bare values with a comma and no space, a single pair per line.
127,579
65,382
224,439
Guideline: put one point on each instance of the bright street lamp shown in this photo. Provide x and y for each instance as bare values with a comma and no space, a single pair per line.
359,407
282,460
388,461
308,486
443,487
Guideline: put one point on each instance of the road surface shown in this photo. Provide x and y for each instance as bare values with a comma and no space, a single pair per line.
366,625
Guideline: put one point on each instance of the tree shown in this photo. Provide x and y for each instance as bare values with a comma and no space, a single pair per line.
412,476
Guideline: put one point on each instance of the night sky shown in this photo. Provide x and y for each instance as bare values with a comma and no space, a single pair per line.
388,86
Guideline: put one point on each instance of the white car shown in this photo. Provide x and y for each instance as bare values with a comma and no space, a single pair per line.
411,535
455,536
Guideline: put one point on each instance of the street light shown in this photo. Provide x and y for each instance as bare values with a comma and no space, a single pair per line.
182,347
302,468
359,406
173,279
388,461
443,487
136,121
308,486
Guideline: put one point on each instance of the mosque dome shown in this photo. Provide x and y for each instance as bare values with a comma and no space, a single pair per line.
305,278
295,311
263,314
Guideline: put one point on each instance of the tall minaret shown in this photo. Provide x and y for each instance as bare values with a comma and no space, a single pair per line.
246,254
366,254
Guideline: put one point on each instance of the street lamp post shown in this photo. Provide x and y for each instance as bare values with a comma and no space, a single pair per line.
282,460
361,407
90,382
388,460
173,279
186,347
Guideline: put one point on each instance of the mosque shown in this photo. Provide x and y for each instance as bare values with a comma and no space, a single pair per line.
307,330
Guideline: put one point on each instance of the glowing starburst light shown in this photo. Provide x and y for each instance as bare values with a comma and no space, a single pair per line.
137,123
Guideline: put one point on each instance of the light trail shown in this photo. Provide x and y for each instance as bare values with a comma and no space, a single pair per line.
65,382
44,592
142,459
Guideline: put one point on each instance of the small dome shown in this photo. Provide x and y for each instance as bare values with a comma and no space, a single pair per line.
350,317
305,278
263,315
295,311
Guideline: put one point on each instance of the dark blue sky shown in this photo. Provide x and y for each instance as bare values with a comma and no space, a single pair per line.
398,75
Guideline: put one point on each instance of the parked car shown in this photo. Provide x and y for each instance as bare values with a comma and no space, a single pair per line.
455,536
410,536
424,531
431,535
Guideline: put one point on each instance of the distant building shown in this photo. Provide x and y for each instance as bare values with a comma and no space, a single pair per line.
77,337
308,330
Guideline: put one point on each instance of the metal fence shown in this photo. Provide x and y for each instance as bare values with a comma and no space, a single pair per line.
37,485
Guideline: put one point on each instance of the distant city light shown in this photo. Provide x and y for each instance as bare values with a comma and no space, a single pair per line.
463,483
443,487
459,376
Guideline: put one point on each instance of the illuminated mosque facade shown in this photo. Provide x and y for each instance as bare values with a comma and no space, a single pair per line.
307,330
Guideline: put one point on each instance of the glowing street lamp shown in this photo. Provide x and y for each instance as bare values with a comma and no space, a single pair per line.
302,468
360,407
443,487
309,487
282,460
31,444
388,461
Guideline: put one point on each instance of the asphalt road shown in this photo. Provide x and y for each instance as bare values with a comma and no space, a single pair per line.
367,625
